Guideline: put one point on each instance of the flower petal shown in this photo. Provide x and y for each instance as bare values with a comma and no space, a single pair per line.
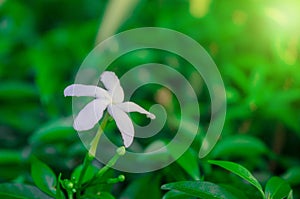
79,90
133,107
124,124
90,115
112,84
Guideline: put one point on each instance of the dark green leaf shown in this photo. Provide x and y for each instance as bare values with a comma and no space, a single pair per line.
236,191
205,190
10,157
21,191
17,90
148,185
100,195
176,195
292,176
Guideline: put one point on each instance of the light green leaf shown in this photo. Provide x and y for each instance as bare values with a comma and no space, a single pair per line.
205,190
21,191
240,171
277,188
43,177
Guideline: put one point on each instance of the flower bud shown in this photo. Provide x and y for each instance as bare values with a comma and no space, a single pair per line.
121,178
121,151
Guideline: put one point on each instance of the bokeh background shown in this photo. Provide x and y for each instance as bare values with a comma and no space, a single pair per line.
255,45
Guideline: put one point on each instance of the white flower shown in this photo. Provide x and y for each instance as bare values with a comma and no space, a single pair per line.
110,99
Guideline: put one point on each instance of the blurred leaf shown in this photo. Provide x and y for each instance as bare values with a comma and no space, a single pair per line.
240,171
17,90
205,190
137,189
43,177
239,145
277,188
24,117
17,191
12,164
10,157
236,191
101,195
292,176
60,130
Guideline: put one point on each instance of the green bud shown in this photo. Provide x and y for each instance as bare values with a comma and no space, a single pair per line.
121,151
121,178
69,184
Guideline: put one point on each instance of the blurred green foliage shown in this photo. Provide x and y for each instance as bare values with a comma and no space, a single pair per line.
255,45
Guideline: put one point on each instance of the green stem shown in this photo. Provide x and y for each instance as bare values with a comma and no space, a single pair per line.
91,153
70,194
95,141
119,152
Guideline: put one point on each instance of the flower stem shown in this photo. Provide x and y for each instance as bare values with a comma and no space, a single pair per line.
95,141
70,194
119,152
92,152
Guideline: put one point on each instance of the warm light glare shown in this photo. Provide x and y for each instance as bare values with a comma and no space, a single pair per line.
277,16
286,15
199,8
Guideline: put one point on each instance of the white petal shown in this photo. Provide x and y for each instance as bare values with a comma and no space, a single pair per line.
112,84
124,124
79,90
90,115
133,107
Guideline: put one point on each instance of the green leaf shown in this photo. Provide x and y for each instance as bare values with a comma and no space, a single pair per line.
10,157
21,191
240,171
189,162
101,195
43,177
239,145
292,176
277,188
90,172
57,130
148,184
205,190
173,194
17,90
237,191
